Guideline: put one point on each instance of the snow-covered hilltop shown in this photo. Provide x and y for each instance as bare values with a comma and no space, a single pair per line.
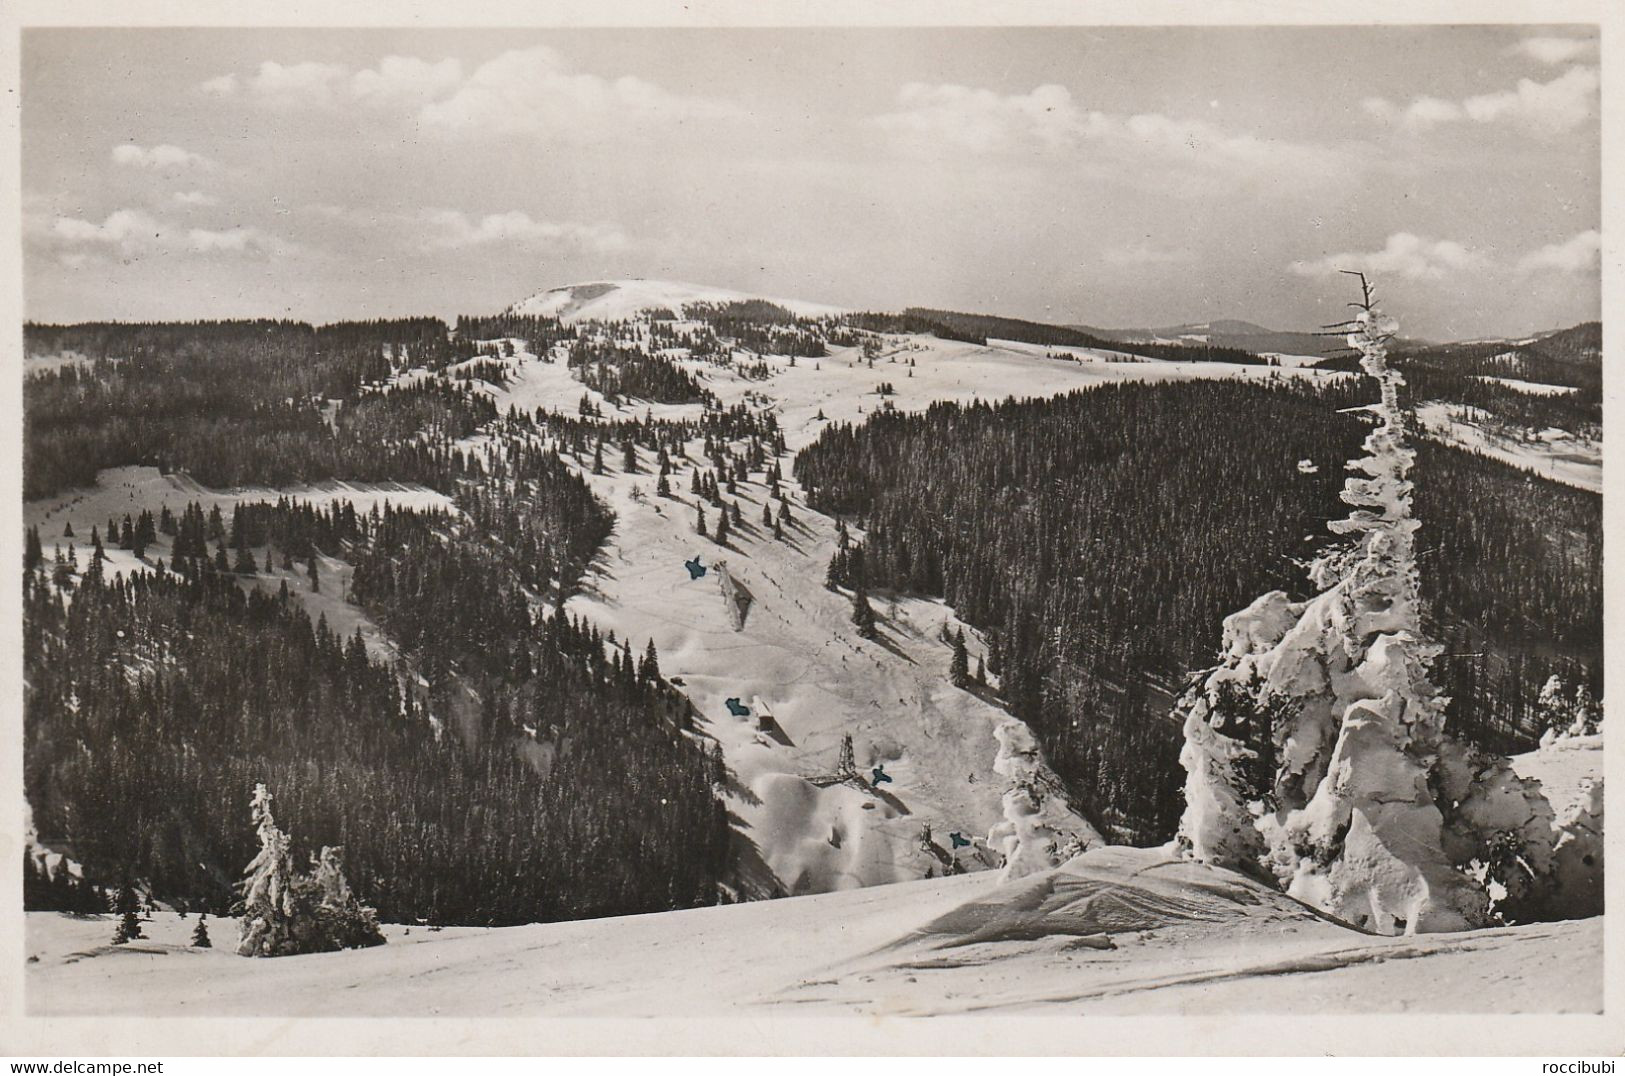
621,300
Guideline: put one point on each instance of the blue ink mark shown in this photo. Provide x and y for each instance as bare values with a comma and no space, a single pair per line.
695,568
879,775
737,708
959,841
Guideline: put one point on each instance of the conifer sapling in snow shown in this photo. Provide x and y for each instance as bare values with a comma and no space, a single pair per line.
863,616
959,667
128,908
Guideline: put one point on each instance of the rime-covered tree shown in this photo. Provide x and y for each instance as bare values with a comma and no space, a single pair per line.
267,924
1316,753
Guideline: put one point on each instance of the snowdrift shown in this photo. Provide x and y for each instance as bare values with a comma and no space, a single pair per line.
1105,892
1115,930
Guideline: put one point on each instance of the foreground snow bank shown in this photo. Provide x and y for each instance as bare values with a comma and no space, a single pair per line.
1115,930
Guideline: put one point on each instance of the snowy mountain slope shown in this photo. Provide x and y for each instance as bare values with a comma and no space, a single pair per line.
619,300
121,490
797,656
1115,931
1554,453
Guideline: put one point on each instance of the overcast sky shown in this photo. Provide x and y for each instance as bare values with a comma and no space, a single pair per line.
1114,177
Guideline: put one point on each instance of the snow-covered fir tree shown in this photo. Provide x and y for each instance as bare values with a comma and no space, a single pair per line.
285,913
1315,753
266,927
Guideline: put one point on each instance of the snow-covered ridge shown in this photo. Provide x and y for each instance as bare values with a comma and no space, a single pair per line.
621,300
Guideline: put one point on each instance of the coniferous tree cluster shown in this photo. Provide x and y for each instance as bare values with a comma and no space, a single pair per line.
59,890
243,403
1099,538
635,376
763,327
539,334
154,699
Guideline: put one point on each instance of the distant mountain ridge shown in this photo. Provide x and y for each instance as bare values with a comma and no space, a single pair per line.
621,300
1226,332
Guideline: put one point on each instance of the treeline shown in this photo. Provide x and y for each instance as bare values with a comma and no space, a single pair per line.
539,334
565,789
1100,538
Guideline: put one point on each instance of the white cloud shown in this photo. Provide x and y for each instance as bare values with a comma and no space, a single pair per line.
307,84
1406,255
522,91
983,120
1554,50
122,227
405,79
1559,105
455,229
159,157
1562,104
132,232
1048,119
1145,254
533,91
197,198
1577,254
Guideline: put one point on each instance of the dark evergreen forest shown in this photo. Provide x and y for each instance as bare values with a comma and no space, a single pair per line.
242,403
552,781
1100,538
